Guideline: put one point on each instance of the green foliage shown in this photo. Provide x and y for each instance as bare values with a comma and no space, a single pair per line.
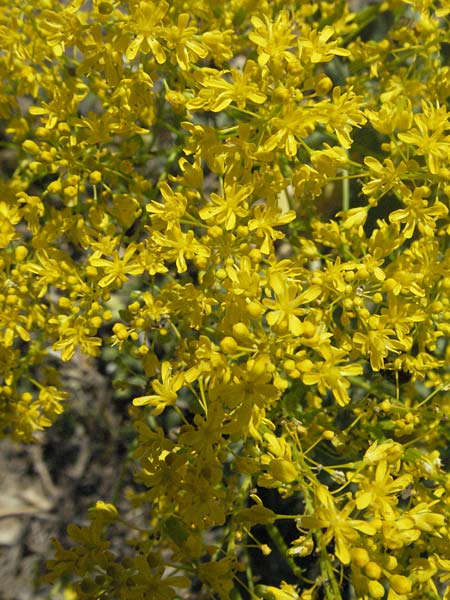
243,206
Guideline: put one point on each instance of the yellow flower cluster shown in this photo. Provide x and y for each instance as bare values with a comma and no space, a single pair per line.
250,200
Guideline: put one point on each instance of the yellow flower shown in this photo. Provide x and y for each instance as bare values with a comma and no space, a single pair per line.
314,45
342,114
285,592
274,39
285,307
169,211
377,343
418,213
330,375
290,129
387,450
61,28
429,136
219,93
379,493
225,209
9,217
181,246
218,574
383,176
145,27
266,217
338,524
182,39
166,390
117,269
75,332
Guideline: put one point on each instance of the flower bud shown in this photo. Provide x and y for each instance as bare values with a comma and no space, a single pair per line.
228,345
400,584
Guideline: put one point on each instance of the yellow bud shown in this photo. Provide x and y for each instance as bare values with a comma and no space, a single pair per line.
360,556
283,470
64,302
289,364
215,231
255,255
328,434
323,84
259,365
348,304
240,330
373,322
390,284
409,418
391,562
281,93
54,187
254,309
96,322
305,365
377,298
73,179
31,147
228,345
405,118
386,406
95,177
91,271
134,307
309,330
11,299
63,128
400,584
20,253
437,306
280,383
120,331
375,589
46,156
373,570
42,133
364,314
105,8
70,191
201,262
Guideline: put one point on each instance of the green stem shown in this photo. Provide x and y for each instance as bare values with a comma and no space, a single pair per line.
345,191
334,592
277,538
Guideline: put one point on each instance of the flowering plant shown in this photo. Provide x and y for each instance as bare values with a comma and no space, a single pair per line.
250,200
